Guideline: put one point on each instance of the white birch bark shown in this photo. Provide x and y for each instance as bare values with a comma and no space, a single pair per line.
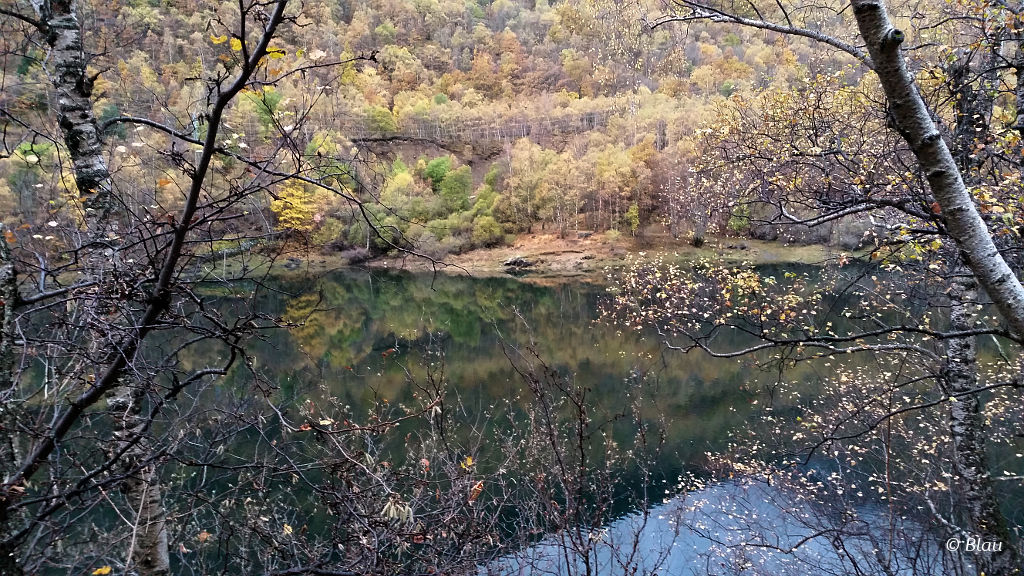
977,501
80,128
73,89
10,450
914,122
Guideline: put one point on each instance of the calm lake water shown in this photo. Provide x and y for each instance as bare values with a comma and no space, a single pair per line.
362,332
366,337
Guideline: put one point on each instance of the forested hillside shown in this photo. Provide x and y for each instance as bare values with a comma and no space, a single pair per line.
459,122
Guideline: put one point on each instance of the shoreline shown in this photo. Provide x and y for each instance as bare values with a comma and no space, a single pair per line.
548,259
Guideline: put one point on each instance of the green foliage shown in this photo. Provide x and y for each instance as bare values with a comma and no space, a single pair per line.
330,230
455,189
739,219
357,234
398,167
385,33
436,170
381,120
485,197
632,218
113,111
27,62
487,231
34,153
493,176
441,99
265,102
390,232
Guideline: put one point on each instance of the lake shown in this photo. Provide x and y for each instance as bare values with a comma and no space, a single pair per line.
508,410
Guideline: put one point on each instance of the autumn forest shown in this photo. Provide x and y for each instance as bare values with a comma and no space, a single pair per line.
769,316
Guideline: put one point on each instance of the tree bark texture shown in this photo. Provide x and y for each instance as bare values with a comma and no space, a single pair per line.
10,453
914,122
973,109
978,504
1018,89
150,555
73,87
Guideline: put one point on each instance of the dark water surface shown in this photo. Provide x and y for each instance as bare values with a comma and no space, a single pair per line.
362,333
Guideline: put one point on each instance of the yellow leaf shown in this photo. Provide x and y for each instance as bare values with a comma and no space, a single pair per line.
287,529
218,39
236,44
275,52
101,571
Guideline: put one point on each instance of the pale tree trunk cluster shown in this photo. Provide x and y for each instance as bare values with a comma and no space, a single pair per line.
73,95
974,87
946,177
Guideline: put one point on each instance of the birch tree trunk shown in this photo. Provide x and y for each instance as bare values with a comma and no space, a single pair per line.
149,555
10,450
117,342
978,503
73,87
946,178
914,122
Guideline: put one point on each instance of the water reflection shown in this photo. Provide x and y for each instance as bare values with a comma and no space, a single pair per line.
363,334
736,527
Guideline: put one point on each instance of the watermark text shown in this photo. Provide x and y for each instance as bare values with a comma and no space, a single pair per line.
973,544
